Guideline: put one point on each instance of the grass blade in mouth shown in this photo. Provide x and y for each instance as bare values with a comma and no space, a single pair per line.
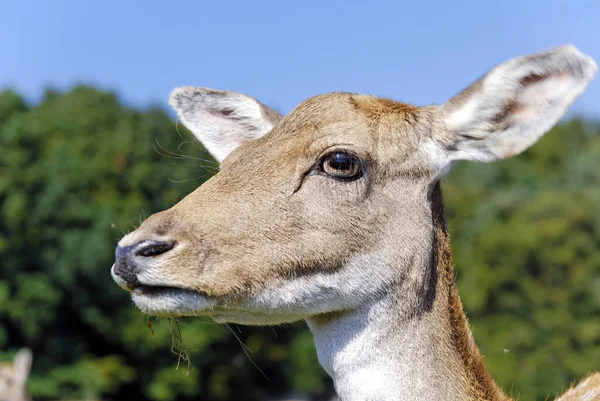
178,347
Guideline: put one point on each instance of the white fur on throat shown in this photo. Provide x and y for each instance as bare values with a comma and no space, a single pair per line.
371,353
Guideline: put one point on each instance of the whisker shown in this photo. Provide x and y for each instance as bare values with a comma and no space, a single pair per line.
174,155
177,130
274,332
182,181
132,225
245,349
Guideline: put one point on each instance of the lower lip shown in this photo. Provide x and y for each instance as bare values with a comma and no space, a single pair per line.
148,290
155,291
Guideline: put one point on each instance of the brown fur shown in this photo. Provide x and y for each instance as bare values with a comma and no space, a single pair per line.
482,386
374,108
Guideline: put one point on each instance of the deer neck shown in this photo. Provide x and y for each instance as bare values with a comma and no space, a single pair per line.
382,352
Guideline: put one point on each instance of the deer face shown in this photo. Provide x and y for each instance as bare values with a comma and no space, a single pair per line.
328,207
303,210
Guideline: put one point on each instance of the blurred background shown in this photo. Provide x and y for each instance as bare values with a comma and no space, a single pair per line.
88,149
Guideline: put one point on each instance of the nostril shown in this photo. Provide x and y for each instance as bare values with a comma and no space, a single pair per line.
130,260
153,248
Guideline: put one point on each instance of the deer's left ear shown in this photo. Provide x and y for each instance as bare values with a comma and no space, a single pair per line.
512,106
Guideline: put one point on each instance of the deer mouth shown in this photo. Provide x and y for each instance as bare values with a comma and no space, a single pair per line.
167,301
134,285
161,290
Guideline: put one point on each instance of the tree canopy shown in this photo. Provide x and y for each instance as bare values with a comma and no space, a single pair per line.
79,169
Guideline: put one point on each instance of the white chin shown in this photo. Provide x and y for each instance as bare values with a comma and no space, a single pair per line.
175,302
172,303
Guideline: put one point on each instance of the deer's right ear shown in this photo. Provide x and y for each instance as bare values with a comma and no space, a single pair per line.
222,120
512,106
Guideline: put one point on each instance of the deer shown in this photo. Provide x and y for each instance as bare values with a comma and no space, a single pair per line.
13,377
333,214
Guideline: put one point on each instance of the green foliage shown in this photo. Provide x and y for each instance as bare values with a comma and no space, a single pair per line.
526,240
78,170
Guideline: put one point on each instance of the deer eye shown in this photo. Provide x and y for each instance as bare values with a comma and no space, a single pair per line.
342,165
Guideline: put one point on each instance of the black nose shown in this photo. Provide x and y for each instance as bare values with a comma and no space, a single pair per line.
131,260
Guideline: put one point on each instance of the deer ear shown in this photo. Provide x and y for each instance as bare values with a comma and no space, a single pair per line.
222,120
22,365
513,105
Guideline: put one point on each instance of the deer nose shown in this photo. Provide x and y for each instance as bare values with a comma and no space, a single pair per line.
131,260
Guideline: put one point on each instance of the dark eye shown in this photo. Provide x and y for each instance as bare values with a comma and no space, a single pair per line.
341,165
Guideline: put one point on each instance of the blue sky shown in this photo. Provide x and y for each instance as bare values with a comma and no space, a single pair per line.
282,52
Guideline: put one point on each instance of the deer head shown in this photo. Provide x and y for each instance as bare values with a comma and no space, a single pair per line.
332,213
